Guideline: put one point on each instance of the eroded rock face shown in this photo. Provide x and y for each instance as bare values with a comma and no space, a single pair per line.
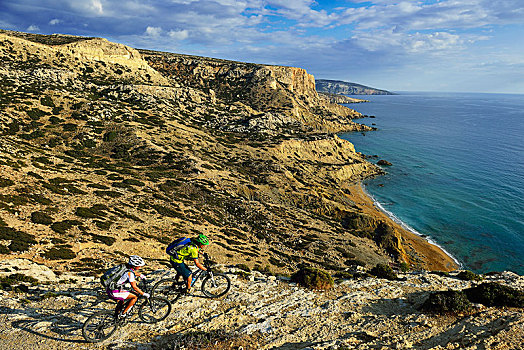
29,268
275,90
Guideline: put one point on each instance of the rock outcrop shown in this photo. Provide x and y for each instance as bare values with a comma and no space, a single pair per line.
266,312
274,94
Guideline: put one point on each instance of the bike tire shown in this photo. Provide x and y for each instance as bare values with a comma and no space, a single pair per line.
216,286
99,326
167,288
154,310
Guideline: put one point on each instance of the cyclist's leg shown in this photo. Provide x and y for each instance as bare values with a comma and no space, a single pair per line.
119,307
131,300
184,271
124,297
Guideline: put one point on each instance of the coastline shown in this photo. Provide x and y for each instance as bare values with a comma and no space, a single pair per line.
420,252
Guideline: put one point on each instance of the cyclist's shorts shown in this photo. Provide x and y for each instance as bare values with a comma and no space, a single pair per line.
117,294
181,268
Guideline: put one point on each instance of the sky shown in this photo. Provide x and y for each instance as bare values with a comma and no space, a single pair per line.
430,45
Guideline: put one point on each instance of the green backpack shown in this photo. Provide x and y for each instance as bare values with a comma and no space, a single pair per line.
111,276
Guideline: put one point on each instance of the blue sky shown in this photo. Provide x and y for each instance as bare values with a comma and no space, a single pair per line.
446,45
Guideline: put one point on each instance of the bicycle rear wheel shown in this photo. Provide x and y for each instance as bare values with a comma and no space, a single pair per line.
154,310
168,288
216,286
99,326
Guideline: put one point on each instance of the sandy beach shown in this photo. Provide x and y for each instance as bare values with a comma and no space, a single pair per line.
420,252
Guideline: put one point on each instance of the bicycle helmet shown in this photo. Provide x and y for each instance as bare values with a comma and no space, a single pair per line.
201,239
135,260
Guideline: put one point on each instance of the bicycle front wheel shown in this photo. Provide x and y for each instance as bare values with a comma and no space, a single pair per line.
168,288
216,286
154,310
99,326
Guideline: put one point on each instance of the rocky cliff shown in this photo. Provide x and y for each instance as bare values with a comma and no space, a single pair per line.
274,95
346,88
107,151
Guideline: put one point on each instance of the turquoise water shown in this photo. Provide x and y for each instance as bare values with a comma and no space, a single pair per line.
457,174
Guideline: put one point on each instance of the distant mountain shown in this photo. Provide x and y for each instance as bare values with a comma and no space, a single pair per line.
346,88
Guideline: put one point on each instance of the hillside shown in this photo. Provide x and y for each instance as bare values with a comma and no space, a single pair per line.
346,88
108,151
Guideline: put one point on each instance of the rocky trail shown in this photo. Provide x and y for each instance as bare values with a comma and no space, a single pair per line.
265,312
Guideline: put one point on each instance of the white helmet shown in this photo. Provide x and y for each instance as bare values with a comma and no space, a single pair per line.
135,260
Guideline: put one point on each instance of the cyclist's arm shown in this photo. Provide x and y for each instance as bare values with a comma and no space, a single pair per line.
199,265
135,287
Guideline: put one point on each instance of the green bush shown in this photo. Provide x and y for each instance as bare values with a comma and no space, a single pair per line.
36,113
313,278
96,211
6,182
12,282
69,127
404,267
446,302
469,276
64,226
59,253
20,241
103,225
39,217
47,101
19,246
440,273
103,239
495,294
133,182
383,271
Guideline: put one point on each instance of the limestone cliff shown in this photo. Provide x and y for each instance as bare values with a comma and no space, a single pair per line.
285,95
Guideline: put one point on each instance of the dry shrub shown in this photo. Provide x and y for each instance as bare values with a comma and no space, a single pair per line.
210,340
313,278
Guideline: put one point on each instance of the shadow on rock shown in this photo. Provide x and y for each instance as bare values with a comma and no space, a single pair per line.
57,319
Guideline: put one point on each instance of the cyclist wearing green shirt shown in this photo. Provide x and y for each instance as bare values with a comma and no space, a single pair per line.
190,251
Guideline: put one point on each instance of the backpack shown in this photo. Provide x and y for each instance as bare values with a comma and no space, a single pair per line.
176,245
111,276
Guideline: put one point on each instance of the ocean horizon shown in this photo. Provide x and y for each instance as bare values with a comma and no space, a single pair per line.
458,171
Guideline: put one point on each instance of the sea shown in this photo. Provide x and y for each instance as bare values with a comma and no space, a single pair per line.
457,173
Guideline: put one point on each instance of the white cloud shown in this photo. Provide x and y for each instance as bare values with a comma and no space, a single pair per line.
54,21
178,34
33,28
153,31
97,7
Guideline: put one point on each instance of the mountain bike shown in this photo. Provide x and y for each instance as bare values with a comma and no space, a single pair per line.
103,324
214,285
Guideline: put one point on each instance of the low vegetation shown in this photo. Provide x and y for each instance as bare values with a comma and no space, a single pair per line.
446,302
211,340
384,271
313,278
495,294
